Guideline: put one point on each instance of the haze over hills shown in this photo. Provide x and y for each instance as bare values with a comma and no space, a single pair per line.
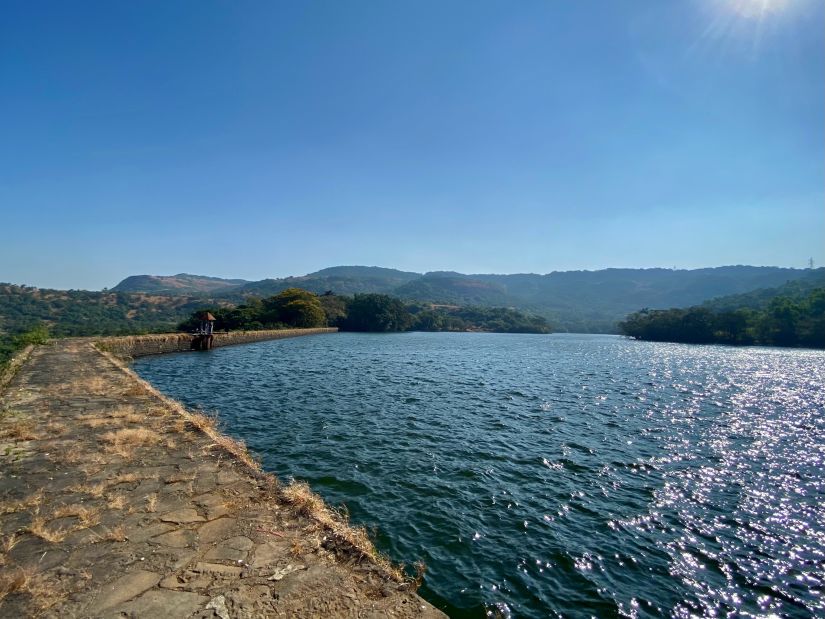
584,301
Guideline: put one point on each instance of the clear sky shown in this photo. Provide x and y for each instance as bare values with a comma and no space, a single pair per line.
264,139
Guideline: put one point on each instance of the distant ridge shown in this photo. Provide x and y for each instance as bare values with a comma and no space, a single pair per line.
580,301
182,283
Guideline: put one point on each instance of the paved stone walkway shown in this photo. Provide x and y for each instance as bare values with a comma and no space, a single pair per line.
113,505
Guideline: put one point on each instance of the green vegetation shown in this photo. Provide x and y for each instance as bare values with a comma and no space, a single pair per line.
785,320
79,312
494,319
577,301
363,312
290,309
10,344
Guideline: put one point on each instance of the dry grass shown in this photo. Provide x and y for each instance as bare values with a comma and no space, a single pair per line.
124,442
43,591
69,456
32,501
97,422
202,422
88,385
128,478
179,426
8,542
121,412
95,490
18,429
39,527
309,504
55,429
14,581
152,503
117,501
297,549
87,516
115,534
133,390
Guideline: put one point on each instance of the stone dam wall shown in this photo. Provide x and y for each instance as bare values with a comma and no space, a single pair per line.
116,501
143,345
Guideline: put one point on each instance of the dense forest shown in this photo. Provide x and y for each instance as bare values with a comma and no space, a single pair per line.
372,312
795,319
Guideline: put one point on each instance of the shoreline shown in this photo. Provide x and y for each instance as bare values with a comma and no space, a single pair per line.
115,498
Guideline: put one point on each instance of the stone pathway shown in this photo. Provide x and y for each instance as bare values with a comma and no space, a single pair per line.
112,504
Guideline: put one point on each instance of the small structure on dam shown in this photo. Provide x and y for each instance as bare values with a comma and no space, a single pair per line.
203,338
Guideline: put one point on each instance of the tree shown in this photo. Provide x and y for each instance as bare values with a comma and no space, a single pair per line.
294,307
376,312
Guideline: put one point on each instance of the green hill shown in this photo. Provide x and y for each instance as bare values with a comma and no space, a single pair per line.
579,301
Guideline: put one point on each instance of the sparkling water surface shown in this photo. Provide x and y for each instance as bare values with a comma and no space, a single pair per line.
560,475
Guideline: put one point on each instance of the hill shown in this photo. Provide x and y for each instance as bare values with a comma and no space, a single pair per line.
180,284
79,312
761,298
790,315
578,301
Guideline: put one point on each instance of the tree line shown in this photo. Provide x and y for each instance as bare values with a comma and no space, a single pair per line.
784,321
370,312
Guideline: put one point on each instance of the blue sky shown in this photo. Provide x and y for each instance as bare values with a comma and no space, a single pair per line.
264,139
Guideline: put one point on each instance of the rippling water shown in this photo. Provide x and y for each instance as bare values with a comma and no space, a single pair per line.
552,475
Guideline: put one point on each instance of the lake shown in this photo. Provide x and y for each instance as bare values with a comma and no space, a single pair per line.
548,475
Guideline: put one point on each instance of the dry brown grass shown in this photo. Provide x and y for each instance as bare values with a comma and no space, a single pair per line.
117,501
297,548
8,542
121,412
18,428
134,390
124,442
14,581
309,504
202,422
68,456
115,534
96,490
39,527
88,385
42,590
128,478
97,422
178,426
55,429
32,501
86,516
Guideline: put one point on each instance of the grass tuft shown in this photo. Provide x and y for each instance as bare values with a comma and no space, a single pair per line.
123,442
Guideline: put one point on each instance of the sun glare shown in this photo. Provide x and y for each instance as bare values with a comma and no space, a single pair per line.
749,23
757,9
